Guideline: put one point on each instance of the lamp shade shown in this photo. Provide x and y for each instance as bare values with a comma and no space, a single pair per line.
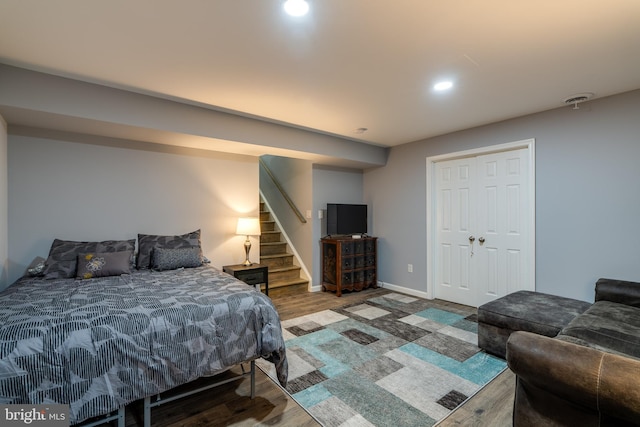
248,226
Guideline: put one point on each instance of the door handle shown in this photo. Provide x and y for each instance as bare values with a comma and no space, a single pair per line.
472,239
481,240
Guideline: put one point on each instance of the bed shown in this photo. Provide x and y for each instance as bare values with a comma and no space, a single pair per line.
102,343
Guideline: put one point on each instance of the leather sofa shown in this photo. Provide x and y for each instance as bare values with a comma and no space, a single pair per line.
589,374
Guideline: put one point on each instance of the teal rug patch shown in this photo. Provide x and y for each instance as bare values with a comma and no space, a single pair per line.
392,360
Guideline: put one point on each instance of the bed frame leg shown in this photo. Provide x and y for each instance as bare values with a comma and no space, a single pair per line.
253,379
147,412
121,417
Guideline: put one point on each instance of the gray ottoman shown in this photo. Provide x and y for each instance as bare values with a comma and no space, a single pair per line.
535,312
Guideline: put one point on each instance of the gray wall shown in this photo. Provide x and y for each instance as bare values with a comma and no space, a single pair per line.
332,185
104,189
4,209
47,101
31,99
587,195
295,177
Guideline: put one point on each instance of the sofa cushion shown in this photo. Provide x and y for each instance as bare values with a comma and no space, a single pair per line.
622,291
530,311
607,326
536,312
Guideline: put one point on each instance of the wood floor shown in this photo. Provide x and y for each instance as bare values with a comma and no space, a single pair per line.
491,406
230,404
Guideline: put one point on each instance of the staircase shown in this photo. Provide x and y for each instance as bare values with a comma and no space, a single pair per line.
284,276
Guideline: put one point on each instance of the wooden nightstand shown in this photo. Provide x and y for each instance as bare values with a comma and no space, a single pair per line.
254,274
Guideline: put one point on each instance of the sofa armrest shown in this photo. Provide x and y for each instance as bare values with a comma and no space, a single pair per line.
603,383
620,291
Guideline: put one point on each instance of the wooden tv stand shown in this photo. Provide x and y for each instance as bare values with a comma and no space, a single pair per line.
349,264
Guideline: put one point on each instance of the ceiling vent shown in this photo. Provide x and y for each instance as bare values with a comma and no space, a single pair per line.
577,99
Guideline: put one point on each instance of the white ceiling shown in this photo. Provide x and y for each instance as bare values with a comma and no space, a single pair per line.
348,64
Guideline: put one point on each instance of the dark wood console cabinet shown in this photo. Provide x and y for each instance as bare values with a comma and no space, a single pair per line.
349,264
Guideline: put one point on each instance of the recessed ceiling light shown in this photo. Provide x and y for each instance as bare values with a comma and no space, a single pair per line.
296,7
443,85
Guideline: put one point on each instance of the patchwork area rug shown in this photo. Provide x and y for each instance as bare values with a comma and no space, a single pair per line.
390,360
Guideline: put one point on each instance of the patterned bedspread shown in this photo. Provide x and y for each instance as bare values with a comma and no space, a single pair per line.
101,343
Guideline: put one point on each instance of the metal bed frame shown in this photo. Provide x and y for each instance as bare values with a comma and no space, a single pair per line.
119,415
148,404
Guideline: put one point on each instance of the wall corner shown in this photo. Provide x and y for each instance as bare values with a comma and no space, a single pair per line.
4,205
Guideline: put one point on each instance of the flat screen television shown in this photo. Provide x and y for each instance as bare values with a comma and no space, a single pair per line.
346,219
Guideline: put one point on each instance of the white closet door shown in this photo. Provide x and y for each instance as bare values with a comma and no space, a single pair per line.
501,258
456,220
482,206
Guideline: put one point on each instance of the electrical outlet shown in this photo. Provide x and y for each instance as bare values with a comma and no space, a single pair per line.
410,268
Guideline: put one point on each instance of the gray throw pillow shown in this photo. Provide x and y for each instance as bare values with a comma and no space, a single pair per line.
63,255
170,259
148,242
92,265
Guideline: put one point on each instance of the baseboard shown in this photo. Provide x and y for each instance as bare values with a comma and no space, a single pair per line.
315,288
403,290
385,285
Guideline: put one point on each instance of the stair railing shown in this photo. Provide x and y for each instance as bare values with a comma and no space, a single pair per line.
282,191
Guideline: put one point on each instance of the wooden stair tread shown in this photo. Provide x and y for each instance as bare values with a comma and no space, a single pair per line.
291,282
283,268
280,255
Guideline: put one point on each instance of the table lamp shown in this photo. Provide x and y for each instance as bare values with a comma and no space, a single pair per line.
248,227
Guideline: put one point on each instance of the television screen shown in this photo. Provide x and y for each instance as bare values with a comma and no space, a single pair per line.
346,219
